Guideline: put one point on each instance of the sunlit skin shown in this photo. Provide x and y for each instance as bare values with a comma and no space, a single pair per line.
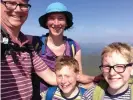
56,23
66,80
118,82
13,18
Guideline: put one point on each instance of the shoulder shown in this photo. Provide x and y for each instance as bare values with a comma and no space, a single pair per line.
69,39
88,94
32,38
75,43
57,95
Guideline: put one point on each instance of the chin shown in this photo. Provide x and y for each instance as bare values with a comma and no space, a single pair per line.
66,90
115,86
16,24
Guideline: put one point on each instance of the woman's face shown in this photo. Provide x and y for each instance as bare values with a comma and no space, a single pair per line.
56,23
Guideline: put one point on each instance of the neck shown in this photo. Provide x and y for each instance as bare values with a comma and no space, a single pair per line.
117,91
56,40
72,93
12,31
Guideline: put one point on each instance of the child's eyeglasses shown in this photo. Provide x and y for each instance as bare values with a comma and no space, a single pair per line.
119,68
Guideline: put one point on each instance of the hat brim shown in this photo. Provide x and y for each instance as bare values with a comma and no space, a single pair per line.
69,19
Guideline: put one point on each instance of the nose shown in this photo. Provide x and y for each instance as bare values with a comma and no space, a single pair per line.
18,8
112,71
63,80
56,22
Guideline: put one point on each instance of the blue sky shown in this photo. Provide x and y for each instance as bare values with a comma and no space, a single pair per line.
95,21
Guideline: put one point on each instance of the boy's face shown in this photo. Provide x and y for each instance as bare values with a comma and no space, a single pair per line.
116,80
66,79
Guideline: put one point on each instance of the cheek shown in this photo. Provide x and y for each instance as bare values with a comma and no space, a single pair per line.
49,22
73,79
58,80
64,23
127,73
105,76
25,14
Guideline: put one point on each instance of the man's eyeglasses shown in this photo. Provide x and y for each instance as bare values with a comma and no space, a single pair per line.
13,5
119,68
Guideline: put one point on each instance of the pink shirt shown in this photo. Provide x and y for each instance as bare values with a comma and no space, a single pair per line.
16,74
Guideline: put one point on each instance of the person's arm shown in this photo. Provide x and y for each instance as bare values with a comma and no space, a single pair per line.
48,76
86,79
43,70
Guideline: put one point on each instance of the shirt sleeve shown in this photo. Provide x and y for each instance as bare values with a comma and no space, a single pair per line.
38,63
77,46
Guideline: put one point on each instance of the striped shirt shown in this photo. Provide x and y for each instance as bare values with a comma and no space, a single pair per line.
58,96
126,95
16,72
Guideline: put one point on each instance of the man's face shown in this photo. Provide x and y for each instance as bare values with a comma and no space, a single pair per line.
116,80
13,17
66,79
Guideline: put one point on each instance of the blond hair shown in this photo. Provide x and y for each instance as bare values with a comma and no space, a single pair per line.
67,61
122,48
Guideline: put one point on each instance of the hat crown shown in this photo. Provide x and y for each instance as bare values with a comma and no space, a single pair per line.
56,7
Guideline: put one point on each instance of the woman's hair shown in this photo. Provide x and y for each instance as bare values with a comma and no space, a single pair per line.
68,61
122,48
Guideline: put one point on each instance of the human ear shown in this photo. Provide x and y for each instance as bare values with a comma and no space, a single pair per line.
77,76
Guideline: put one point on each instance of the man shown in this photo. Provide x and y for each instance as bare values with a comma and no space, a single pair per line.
17,54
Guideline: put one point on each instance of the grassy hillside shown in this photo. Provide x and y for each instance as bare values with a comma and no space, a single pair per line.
90,64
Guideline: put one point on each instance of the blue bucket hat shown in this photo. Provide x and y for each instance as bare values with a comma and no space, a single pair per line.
54,8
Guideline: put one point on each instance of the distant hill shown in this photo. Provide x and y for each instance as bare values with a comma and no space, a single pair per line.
91,57
91,48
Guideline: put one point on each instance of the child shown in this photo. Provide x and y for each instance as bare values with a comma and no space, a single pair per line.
67,70
117,65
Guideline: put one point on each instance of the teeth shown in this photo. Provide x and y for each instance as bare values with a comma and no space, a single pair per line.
52,26
16,17
64,86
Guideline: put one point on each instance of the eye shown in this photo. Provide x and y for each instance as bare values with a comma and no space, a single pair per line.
51,18
67,76
24,5
61,18
59,76
11,3
105,66
120,66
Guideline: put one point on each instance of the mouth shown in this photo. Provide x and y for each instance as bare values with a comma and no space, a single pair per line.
114,79
16,17
57,28
65,86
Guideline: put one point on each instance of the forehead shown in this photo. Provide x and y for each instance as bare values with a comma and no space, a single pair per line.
65,70
114,58
56,14
18,1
